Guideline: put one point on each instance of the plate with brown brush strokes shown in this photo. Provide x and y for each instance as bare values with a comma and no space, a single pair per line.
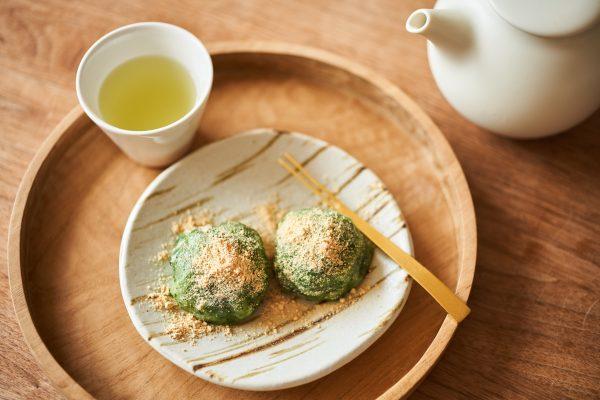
75,199
288,341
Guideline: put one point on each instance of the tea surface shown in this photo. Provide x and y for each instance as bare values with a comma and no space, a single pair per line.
146,93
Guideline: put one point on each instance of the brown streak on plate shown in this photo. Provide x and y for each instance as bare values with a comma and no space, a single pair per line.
292,348
378,210
139,299
231,172
303,163
397,231
212,374
269,367
387,315
169,344
369,200
287,336
177,212
152,323
159,192
222,350
156,334
356,173
251,374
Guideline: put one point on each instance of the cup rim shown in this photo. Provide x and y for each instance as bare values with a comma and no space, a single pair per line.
200,97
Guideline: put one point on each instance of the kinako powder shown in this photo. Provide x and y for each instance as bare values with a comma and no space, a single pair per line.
278,308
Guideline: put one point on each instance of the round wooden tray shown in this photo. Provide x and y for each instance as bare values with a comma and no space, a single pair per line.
75,197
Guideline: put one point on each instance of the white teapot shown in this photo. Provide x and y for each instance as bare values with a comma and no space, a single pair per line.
520,68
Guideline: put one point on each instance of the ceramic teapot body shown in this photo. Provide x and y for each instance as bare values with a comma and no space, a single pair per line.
505,79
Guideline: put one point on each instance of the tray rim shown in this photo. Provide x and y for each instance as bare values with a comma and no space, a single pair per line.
405,385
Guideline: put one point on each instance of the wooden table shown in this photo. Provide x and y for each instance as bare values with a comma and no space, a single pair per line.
535,327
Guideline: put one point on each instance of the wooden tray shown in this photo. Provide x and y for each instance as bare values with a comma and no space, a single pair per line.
76,195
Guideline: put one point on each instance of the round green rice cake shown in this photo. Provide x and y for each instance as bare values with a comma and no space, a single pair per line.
320,254
221,275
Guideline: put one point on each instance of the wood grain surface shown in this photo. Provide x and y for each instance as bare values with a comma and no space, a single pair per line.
535,327
72,202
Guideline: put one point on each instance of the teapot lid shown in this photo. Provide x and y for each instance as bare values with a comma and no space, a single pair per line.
549,17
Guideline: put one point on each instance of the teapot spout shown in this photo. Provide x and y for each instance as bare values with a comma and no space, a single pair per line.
443,27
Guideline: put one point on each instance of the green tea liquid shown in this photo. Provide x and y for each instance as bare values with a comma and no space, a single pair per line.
146,93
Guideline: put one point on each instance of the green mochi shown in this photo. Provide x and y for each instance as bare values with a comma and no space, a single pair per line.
203,302
307,270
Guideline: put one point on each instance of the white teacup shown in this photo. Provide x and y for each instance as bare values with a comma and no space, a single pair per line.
161,146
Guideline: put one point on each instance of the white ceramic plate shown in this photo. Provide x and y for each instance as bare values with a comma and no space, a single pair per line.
232,177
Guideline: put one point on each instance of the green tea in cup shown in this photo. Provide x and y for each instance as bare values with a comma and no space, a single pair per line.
146,93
